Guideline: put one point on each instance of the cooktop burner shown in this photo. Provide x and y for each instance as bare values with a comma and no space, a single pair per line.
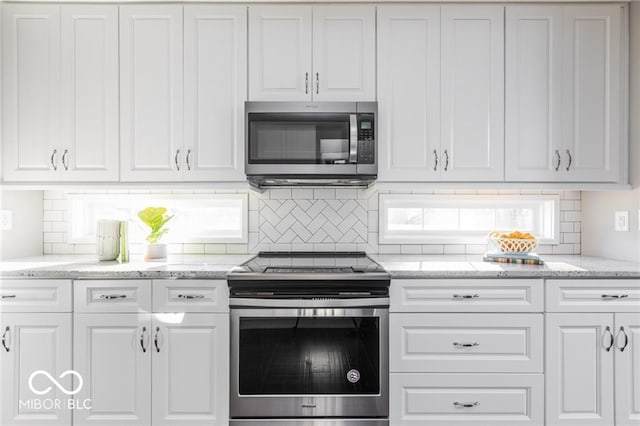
310,263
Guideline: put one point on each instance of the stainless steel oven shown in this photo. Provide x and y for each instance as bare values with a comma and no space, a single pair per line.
297,143
309,346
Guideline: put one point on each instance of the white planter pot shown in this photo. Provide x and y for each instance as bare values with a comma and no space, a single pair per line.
156,252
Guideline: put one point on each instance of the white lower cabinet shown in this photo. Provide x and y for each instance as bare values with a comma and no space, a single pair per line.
190,373
33,342
112,354
466,399
627,365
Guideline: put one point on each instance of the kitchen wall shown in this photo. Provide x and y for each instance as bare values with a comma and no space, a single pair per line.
600,238
313,219
25,236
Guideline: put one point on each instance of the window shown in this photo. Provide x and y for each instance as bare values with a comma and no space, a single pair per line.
434,219
210,218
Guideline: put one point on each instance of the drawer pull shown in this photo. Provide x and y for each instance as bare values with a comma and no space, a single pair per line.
466,404
191,296
615,296
465,296
466,345
4,339
626,339
113,296
611,339
8,296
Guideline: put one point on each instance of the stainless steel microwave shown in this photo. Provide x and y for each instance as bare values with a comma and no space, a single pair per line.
311,143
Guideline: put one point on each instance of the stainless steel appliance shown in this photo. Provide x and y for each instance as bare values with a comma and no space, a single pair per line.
309,340
307,143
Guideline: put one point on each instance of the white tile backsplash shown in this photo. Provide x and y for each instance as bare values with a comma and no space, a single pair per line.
322,219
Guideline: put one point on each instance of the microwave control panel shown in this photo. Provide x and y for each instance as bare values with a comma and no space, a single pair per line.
366,139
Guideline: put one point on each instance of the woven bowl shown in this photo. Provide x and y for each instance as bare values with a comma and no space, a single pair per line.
512,245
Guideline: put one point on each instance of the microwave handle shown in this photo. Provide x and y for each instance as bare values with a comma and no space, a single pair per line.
353,138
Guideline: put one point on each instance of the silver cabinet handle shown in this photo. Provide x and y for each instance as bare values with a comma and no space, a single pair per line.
317,83
155,339
435,163
558,160
8,296
52,160
306,83
465,296
466,345
611,339
189,159
614,296
64,159
142,333
113,296
626,339
466,404
446,160
570,160
191,296
175,159
5,345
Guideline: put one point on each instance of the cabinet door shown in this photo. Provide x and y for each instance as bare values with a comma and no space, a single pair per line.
533,138
579,370
627,360
191,369
215,67
409,92
592,90
112,353
280,53
90,93
473,93
31,91
344,53
30,343
151,92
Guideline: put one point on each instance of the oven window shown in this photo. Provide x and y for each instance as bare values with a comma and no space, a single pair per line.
298,138
305,356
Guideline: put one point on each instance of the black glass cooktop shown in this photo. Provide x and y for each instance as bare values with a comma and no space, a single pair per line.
310,263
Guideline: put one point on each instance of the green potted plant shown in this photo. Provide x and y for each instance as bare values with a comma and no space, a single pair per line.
155,218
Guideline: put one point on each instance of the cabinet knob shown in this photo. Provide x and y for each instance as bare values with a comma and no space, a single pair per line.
570,160
446,160
64,159
175,159
188,159
609,334
435,160
558,160
626,339
54,164
5,339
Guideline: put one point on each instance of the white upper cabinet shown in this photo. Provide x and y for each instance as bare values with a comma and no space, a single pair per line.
280,53
472,93
31,91
61,92
563,93
533,117
344,53
409,92
440,93
90,138
287,64
215,88
593,98
151,86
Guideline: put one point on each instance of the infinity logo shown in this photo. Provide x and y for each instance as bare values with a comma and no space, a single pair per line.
55,382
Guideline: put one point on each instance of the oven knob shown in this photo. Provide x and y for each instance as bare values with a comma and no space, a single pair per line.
353,376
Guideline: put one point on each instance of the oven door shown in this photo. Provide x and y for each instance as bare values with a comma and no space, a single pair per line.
316,362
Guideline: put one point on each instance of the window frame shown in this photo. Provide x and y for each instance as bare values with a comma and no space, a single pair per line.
386,201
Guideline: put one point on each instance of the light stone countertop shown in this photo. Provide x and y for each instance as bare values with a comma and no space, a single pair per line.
400,266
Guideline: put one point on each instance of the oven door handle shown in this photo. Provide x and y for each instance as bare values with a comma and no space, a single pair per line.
353,138
309,303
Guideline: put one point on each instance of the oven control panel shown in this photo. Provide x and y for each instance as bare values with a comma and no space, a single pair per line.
366,139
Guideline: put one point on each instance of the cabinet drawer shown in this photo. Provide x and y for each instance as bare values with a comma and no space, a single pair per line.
25,295
481,343
190,296
615,295
472,295
94,296
466,399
